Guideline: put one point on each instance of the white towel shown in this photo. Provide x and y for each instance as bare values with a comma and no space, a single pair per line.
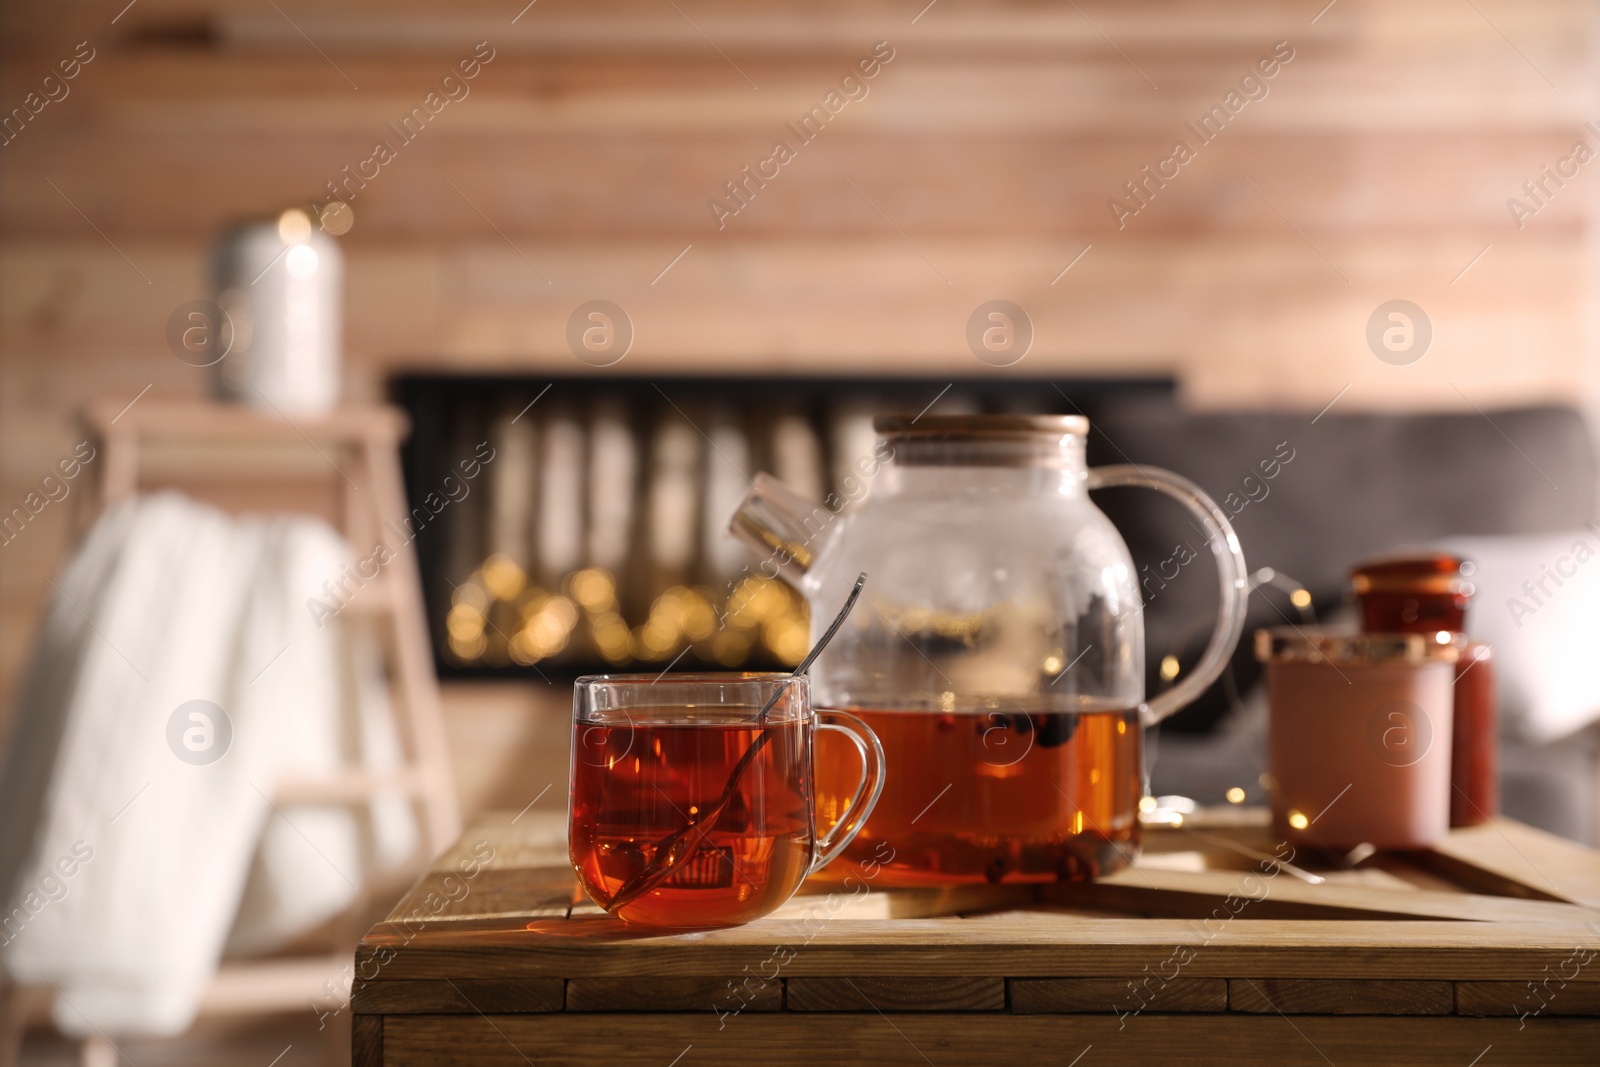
1537,601
166,603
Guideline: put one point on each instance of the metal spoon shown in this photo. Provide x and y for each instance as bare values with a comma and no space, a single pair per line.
678,846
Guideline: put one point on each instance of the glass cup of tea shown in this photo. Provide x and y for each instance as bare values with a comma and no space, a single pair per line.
689,809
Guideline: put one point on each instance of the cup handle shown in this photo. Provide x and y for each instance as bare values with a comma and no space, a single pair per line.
1230,569
870,786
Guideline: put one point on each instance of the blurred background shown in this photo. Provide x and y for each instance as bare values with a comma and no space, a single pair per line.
484,179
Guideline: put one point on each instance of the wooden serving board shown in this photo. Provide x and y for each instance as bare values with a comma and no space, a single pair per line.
1483,950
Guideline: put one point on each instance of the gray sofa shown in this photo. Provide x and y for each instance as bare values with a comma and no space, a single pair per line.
1357,485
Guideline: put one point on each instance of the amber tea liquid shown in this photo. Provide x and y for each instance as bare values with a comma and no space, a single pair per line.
1004,797
633,785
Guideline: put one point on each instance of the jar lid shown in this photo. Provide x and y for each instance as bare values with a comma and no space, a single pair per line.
1292,644
1413,573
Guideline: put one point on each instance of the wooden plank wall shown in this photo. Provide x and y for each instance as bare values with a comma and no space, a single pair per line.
979,165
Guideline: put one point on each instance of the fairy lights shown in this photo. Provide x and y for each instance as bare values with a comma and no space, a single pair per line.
499,617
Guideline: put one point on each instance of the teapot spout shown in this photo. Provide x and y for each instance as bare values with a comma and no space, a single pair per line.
786,529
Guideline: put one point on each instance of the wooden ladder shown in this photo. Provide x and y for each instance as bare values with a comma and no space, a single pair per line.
261,461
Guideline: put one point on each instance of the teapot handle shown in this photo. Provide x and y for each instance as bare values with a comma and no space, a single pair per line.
1231,572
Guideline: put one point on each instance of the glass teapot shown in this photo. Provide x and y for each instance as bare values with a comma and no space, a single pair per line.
998,650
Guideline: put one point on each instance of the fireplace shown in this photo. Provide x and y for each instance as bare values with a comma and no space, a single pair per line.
574,524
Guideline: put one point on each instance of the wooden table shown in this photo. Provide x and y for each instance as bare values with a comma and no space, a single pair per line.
1483,951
